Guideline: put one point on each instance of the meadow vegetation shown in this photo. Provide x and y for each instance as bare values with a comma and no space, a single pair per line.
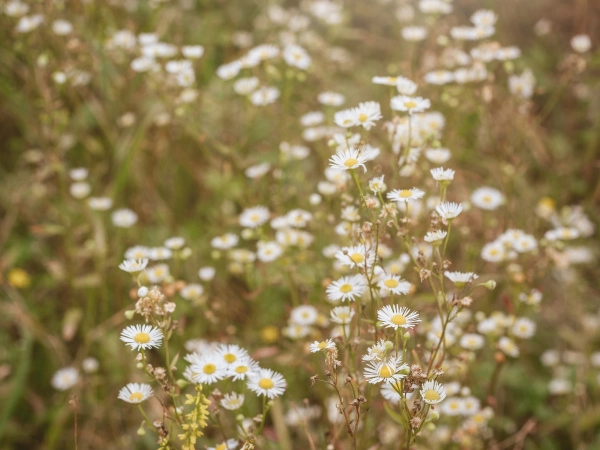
284,225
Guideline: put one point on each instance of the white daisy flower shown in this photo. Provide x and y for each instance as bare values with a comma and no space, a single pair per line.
268,251
341,315
525,243
405,86
192,291
414,33
175,243
352,158
207,369
133,265
581,43
225,241
100,203
331,98
141,336
304,315
454,406
229,70
377,184
386,81
559,386
367,113
394,316
192,51
393,284
242,368
432,392
135,392
357,255
508,346
523,328
562,233
254,217
435,237
380,351
461,278
296,56
484,18
471,341
231,353
448,210
346,288
295,331
472,405
156,274
323,345
409,104
405,195
487,198
439,77
137,252
232,401
159,253
389,371
65,378
493,252
437,155
441,174
268,383
264,96
124,218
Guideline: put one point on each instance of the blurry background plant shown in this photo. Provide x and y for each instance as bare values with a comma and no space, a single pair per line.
127,123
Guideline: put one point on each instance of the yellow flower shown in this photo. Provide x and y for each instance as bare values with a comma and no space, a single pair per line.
18,278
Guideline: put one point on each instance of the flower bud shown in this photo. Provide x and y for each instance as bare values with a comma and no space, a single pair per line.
490,284
129,314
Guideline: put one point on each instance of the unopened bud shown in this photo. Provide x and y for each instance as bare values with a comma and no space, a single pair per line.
140,365
182,383
433,415
490,284
406,336
129,314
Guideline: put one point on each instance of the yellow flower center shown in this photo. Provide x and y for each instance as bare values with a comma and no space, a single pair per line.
266,383
136,397
385,372
209,368
343,317
229,357
350,162
362,117
486,199
345,288
142,338
241,369
391,283
398,319
391,80
322,345
254,217
494,251
431,395
410,104
405,193
357,257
